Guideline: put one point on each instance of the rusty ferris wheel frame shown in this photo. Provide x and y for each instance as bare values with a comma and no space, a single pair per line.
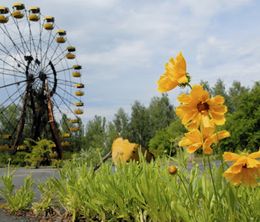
36,77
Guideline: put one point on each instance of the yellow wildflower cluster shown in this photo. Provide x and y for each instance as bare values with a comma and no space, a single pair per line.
198,111
200,114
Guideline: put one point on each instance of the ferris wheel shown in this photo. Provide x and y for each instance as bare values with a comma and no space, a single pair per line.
40,79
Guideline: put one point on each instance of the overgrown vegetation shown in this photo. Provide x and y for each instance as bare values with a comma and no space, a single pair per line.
153,195
16,199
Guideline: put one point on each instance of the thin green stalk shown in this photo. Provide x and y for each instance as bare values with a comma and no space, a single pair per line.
189,85
186,190
211,175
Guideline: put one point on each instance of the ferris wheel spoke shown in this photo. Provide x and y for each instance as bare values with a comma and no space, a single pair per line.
62,70
11,117
60,57
39,47
62,113
71,95
68,107
11,84
18,50
64,84
63,80
9,74
54,52
11,70
65,99
13,102
55,64
10,96
24,44
31,40
5,51
50,41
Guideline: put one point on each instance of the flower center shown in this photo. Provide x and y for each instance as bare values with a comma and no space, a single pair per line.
244,166
202,106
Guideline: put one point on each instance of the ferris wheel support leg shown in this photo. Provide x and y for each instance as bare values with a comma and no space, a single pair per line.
20,126
54,130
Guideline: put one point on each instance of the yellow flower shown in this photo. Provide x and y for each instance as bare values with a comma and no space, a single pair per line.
122,150
245,170
198,108
175,74
195,139
172,170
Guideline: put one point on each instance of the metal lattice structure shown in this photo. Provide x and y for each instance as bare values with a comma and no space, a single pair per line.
40,79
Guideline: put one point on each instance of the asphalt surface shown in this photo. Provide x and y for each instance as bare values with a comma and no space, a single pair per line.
38,175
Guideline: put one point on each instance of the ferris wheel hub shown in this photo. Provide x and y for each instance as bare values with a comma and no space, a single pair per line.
42,76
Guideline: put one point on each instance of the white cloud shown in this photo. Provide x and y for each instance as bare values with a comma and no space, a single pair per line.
209,8
123,45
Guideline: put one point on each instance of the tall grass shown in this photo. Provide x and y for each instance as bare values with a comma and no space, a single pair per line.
147,192
16,199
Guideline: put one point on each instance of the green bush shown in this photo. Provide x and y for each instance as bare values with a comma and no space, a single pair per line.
165,141
41,152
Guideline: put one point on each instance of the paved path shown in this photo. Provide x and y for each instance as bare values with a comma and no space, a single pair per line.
38,175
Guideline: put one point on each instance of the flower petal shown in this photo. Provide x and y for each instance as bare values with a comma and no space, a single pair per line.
229,156
165,84
194,147
184,98
255,155
218,118
199,94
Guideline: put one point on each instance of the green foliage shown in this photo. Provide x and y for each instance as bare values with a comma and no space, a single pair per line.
95,133
41,152
166,140
220,89
161,113
88,158
140,125
121,123
236,92
16,199
147,192
44,204
244,123
8,118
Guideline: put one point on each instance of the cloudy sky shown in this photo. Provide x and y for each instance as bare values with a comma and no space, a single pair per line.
124,44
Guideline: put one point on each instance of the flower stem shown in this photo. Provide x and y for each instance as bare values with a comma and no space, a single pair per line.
211,175
189,86
188,194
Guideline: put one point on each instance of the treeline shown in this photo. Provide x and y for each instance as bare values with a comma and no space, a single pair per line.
156,127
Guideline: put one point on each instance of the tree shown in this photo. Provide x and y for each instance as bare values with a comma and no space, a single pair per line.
206,86
220,89
166,140
235,93
96,133
111,135
121,123
244,123
161,113
139,125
